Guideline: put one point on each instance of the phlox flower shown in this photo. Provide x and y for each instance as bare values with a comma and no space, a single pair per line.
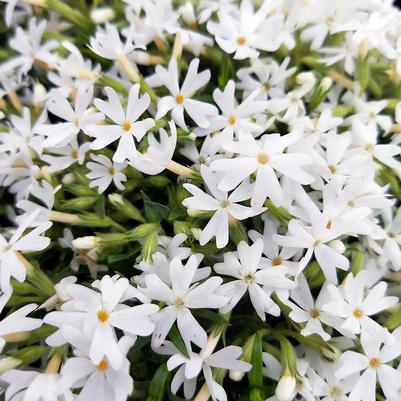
125,125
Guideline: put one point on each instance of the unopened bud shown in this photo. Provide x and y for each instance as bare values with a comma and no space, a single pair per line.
285,388
236,375
305,78
8,363
188,14
88,242
326,83
102,15
196,232
116,199
39,94
337,245
68,179
194,212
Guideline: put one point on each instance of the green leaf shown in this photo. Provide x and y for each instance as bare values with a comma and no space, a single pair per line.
363,73
141,231
175,337
214,317
158,384
100,208
154,211
255,375
149,246
80,203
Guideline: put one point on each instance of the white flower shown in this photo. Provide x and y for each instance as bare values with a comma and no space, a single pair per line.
253,276
180,297
303,388
181,98
391,239
226,207
191,366
74,72
291,103
263,157
98,381
265,75
11,265
304,309
27,385
275,257
355,303
326,384
61,294
107,43
247,33
365,143
98,314
125,127
378,351
61,158
28,45
235,117
76,119
158,154
18,322
22,136
44,193
104,171
323,229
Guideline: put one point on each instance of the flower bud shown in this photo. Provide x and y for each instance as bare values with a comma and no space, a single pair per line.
193,212
102,15
196,232
68,179
88,242
39,94
236,375
305,78
337,245
187,12
8,363
116,199
285,388
326,83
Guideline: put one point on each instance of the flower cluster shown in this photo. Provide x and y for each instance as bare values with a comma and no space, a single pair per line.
200,199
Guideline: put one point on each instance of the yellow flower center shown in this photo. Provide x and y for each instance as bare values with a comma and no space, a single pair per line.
249,279
329,224
368,148
103,315
266,87
314,313
224,204
179,303
179,99
103,365
241,40
357,313
263,158
232,120
111,170
374,363
336,392
276,261
74,154
126,126
332,169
